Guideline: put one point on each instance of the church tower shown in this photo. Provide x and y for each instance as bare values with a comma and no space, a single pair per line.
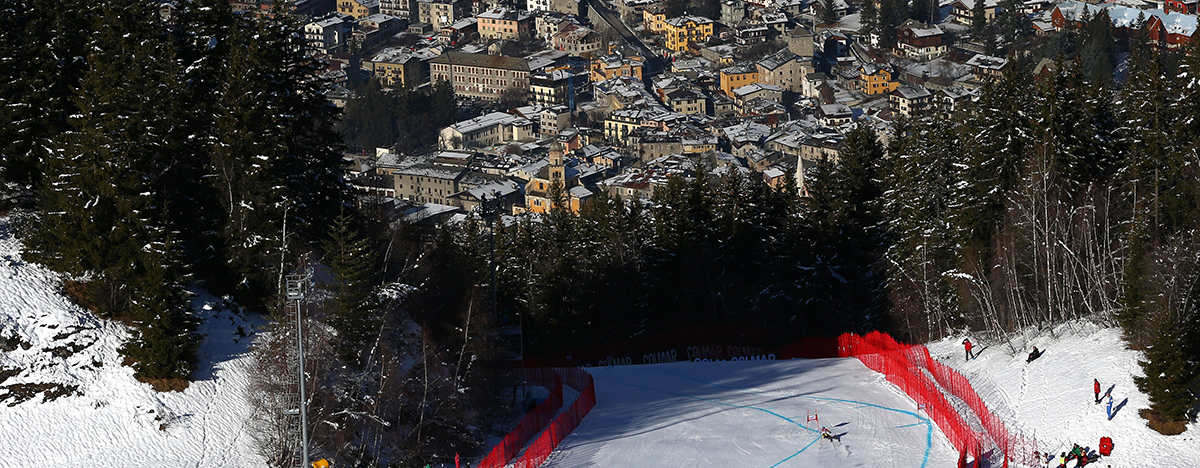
557,169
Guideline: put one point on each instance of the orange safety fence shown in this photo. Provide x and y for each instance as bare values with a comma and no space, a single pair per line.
556,430
928,381
532,423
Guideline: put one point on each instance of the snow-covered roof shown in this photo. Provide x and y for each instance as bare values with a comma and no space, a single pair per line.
752,88
497,13
487,121
682,21
836,109
913,92
987,62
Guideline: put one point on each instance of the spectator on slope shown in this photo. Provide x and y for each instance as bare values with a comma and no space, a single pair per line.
1033,355
1096,388
1110,409
1062,460
1076,453
967,348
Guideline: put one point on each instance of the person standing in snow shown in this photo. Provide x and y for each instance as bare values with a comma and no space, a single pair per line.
1096,388
1062,460
967,348
1110,413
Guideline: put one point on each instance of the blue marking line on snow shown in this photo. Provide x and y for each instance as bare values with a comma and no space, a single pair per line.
921,419
918,423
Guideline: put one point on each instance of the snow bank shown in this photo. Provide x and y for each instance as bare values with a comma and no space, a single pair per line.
1052,400
98,414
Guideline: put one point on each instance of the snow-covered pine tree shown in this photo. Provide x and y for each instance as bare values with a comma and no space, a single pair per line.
843,224
828,15
274,153
979,20
42,46
102,202
916,203
104,208
997,140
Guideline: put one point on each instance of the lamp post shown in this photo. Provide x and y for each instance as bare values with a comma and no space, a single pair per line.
295,292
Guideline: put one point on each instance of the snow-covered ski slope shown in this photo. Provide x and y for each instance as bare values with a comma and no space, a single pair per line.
751,414
106,417
1052,397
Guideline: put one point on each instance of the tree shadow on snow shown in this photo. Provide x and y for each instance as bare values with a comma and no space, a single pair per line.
228,333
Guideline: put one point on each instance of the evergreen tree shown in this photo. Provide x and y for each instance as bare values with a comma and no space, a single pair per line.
42,46
997,140
979,20
369,119
275,155
351,309
1097,54
924,11
106,208
1171,366
917,207
891,14
870,16
1160,181
164,343
828,15
842,220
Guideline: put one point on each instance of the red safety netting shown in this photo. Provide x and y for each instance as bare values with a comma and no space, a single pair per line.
567,421
928,381
532,423
556,430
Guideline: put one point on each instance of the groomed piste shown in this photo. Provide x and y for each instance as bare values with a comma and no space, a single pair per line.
752,414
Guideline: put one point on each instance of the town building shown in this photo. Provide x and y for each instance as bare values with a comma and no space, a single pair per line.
613,65
920,42
486,130
504,24
358,9
396,68
439,13
737,76
685,30
909,100
403,9
877,79
579,41
481,75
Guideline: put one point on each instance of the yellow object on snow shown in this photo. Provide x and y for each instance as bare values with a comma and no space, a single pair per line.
322,463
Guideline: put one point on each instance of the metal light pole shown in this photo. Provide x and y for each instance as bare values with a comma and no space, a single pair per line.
295,292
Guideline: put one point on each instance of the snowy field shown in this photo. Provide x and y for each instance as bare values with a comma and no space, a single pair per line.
751,414
106,417
1052,398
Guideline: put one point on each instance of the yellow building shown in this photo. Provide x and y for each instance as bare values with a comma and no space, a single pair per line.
359,9
685,30
737,76
653,19
540,191
877,79
611,66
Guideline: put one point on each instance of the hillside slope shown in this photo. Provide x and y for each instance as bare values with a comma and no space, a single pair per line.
1052,397
66,401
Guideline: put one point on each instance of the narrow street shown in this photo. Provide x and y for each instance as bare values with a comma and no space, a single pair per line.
654,63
